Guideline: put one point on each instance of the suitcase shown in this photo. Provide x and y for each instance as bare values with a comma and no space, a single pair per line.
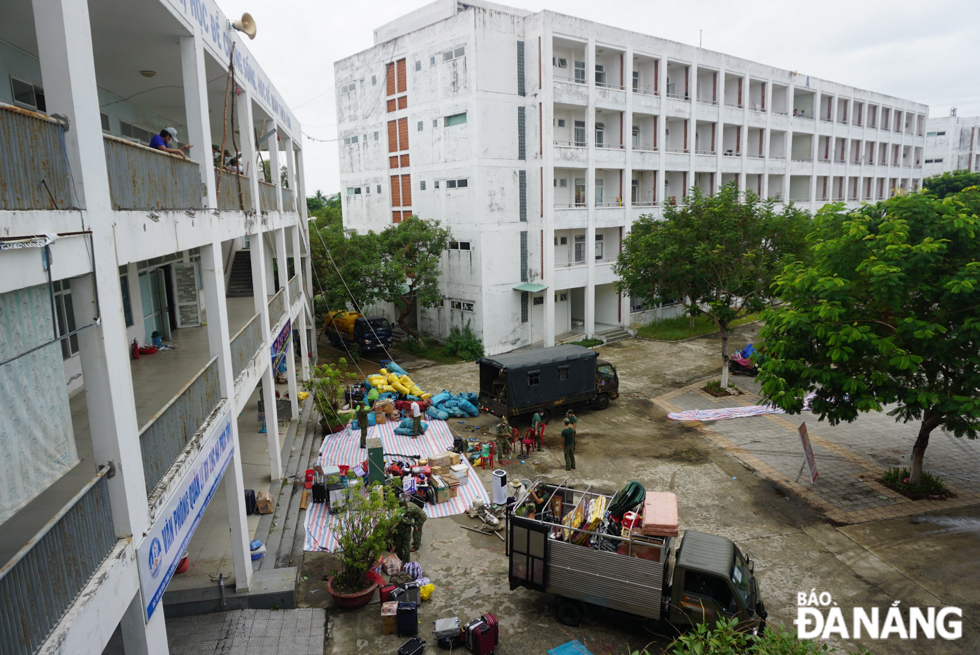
413,593
408,619
250,501
319,489
386,593
413,646
446,628
469,629
398,594
482,635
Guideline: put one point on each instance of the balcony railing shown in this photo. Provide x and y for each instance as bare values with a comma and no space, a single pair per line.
293,288
287,200
678,96
704,101
755,155
643,147
228,193
610,146
733,105
807,160
644,203
609,203
568,79
571,264
277,307
678,150
42,581
777,157
705,152
144,178
572,144
800,199
244,345
168,433
569,205
609,85
731,153
33,165
645,92
780,113
803,116
267,196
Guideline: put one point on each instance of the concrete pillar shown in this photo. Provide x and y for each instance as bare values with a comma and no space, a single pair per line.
64,41
273,146
304,347
282,264
257,251
141,637
742,176
297,249
659,194
196,109
109,398
546,235
287,147
246,143
219,344
590,121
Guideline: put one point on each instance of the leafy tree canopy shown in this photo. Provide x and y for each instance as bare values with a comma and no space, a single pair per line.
950,183
886,313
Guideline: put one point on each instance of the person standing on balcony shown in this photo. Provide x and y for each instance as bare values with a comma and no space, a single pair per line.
163,140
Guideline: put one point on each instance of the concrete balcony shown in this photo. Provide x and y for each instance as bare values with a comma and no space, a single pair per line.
267,196
571,274
610,156
33,168
646,103
568,91
677,159
569,153
645,159
604,273
142,178
638,209
610,97
235,193
732,114
611,214
569,217
678,107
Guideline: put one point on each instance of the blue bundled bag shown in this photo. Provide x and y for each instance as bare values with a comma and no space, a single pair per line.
371,422
471,396
396,369
469,408
406,423
407,432
433,412
439,398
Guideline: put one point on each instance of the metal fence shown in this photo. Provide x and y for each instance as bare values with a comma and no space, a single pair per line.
267,196
287,201
144,178
244,345
166,435
294,288
33,163
277,307
228,195
42,581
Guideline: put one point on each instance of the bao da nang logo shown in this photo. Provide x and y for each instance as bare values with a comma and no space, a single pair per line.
818,616
155,557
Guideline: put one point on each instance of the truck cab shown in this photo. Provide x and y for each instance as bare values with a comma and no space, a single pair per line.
712,579
606,382
352,329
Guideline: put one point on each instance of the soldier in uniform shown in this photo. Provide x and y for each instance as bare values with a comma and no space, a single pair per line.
362,422
504,435
408,534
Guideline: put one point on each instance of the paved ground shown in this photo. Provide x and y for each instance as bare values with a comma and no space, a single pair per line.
923,556
249,632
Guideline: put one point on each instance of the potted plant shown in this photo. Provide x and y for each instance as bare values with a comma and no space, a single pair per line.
363,534
326,387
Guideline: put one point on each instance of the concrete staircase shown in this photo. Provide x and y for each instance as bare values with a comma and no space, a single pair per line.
240,281
613,335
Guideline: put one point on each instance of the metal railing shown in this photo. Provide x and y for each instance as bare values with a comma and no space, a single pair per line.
679,150
293,288
569,205
572,144
33,164
609,85
704,101
168,433
567,79
40,582
644,203
610,146
267,196
804,117
287,200
277,307
228,194
144,178
645,148
678,96
705,152
244,345
792,199
645,92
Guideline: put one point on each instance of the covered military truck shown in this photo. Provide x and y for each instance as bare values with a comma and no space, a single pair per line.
354,330
545,379
597,563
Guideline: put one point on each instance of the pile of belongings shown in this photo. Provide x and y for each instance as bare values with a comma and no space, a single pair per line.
405,428
445,405
424,480
660,515
393,382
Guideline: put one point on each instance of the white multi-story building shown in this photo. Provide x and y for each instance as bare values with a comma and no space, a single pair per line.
108,463
952,144
539,138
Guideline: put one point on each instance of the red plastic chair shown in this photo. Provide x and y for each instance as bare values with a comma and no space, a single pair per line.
527,443
484,462
541,427
515,440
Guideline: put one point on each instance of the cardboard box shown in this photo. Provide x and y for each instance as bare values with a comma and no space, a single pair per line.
389,618
380,417
461,471
263,502
441,488
453,459
442,459
440,470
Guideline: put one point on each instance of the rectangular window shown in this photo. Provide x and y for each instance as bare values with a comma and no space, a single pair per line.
374,80
580,134
598,247
450,184
600,75
435,122
65,318
432,61
580,72
561,122
420,126
462,184
350,190
27,95
539,300
455,119
522,194
377,136
437,184
455,53
105,122
379,188
524,256
520,68
402,77
940,133
521,141
459,245
562,373
580,249
461,305
418,65
636,81
524,307
357,191
421,185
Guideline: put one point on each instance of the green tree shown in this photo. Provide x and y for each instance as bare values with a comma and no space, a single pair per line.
719,254
267,174
412,256
950,183
349,267
887,313
315,203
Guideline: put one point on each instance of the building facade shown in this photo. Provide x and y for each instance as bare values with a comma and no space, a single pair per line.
540,138
951,145
109,462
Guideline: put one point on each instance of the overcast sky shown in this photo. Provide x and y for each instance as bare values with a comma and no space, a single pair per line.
922,51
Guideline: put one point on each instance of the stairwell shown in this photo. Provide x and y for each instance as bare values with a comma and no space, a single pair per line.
613,335
240,280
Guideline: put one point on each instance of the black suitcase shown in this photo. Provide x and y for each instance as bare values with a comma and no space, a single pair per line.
319,489
407,619
413,646
250,501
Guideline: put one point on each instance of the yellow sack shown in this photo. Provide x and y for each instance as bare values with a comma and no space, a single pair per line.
407,381
400,388
302,395
426,396
392,378
426,590
383,372
376,380
416,391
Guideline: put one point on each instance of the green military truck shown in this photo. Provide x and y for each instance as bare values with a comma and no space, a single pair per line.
705,579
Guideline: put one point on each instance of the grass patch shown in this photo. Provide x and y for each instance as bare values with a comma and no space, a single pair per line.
675,329
427,349
588,343
931,487
714,388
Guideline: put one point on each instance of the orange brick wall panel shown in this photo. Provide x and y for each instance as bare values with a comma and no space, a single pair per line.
404,163
392,136
402,80
390,79
396,191
396,217
403,102
393,161
406,190
391,105
402,134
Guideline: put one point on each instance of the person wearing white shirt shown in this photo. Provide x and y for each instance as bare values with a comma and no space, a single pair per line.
416,420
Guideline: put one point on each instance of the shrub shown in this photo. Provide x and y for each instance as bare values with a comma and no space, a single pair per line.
463,343
588,343
930,487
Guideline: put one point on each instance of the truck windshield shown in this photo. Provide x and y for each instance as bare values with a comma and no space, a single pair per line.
742,578
379,323
607,372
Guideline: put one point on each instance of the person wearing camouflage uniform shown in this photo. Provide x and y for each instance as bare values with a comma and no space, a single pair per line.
408,534
362,422
504,435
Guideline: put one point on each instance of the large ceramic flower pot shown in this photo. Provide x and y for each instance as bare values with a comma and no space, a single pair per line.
351,601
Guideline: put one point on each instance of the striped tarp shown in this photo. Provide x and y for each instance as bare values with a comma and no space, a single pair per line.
343,448
733,412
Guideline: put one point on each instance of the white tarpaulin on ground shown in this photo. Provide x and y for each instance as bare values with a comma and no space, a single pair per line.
37,445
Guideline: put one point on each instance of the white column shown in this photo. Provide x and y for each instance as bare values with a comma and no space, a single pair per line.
298,267
282,264
767,142
659,194
546,236
244,123
627,173
287,146
746,95
304,348
257,251
219,345
196,109
273,146
590,191
109,398
139,636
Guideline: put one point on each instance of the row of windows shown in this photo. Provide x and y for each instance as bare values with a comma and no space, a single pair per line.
459,245
352,140
450,184
447,121
934,161
448,55
356,190
461,305
936,133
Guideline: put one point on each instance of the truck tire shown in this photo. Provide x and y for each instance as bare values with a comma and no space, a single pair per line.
545,416
602,401
334,340
570,612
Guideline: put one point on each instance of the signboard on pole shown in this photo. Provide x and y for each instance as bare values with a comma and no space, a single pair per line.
811,463
280,347
165,543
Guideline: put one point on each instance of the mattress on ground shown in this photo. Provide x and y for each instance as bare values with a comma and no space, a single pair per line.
660,514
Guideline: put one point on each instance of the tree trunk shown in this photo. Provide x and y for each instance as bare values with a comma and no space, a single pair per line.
724,355
930,420
690,321
403,314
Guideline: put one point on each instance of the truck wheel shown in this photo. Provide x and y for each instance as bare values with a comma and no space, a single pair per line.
334,341
602,401
546,416
570,612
